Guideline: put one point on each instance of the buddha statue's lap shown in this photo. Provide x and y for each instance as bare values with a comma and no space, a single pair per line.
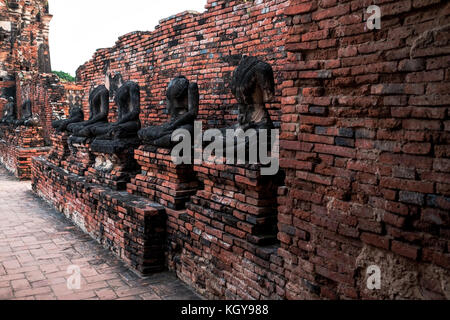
76,116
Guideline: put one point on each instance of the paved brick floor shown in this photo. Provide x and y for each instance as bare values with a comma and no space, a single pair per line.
37,245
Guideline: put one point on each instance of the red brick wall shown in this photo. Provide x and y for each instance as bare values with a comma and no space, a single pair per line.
131,227
49,97
202,49
365,146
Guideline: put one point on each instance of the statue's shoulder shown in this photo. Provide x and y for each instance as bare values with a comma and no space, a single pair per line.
130,84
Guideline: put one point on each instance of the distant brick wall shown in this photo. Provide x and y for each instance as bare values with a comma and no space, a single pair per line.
204,47
49,97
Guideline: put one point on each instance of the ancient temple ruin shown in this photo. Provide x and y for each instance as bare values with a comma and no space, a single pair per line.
363,120
33,94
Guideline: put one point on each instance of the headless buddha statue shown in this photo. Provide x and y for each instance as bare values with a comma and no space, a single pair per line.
27,118
9,112
253,86
99,108
182,106
75,116
114,138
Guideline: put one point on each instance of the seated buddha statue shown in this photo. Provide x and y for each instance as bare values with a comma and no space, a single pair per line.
99,108
182,107
27,118
128,103
253,86
9,112
76,115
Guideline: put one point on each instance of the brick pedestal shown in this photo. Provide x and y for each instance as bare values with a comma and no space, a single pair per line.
30,137
112,170
132,227
79,159
161,180
224,244
242,193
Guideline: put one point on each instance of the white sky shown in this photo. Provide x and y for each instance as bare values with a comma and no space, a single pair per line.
79,27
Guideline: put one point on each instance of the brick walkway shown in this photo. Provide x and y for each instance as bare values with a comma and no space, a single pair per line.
37,245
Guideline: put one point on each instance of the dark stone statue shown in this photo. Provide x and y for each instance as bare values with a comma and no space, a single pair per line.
182,106
127,99
99,108
114,137
76,115
253,86
27,118
9,112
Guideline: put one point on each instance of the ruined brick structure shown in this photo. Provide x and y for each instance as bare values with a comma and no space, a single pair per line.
364,152
50,98
25,74
24,28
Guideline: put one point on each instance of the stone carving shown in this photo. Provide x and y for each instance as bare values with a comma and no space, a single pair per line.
9,112
182,106
27,117
76,115
99,108
113,137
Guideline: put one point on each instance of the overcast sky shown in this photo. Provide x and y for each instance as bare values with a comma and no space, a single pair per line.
79,27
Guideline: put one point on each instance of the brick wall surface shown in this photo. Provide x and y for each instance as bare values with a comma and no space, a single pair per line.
365,147
132,228
18,145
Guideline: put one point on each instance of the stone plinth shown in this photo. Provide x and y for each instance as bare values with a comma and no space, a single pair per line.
132,227
114,164
80,159
112,170
161,180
